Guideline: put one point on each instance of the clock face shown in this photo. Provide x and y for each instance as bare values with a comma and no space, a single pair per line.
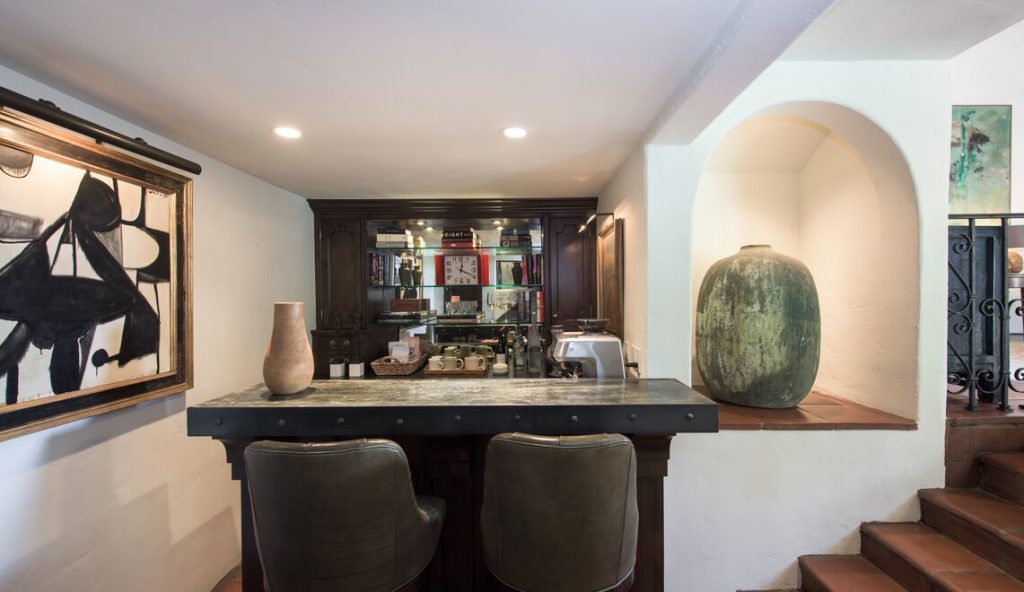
461,270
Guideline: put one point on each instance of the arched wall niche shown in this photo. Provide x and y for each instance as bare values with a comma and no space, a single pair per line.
823,183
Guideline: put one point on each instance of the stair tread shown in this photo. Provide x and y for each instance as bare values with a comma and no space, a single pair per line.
982,509
1008,461
842,573
927,549
979,582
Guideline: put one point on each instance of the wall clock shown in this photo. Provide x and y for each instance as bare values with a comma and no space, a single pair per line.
461,270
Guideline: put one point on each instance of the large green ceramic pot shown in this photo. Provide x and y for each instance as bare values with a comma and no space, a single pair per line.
758,329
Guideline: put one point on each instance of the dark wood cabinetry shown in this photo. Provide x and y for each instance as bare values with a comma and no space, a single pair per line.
571,285
347,306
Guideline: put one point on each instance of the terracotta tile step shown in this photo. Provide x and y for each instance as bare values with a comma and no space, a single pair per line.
1002,473
988,525
923,560
843,573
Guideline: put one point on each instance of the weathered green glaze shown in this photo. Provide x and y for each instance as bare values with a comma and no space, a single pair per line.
758,329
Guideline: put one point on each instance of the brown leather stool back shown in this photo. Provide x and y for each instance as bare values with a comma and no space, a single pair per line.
339,516
559,513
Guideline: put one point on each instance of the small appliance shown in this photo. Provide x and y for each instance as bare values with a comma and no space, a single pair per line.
587,354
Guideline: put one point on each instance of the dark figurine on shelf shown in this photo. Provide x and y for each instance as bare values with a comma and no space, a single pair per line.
417,280
517,273
405,273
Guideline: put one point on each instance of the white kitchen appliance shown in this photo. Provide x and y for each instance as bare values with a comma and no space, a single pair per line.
588,354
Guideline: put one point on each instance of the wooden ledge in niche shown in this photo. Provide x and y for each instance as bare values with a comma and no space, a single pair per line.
817,412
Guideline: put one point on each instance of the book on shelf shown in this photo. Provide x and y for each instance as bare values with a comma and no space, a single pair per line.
515,241
394,237
515,237
469,319
454,237
530,271
401,317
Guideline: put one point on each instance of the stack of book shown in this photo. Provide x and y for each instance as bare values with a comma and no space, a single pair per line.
515,237
391,237
384,269
533,265
458,319
411,317
458,237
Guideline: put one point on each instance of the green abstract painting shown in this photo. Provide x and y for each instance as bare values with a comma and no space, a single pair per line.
979,171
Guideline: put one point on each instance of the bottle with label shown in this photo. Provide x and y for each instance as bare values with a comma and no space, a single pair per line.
534,353
521,351
500,355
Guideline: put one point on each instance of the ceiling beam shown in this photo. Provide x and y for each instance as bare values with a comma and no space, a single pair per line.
753,37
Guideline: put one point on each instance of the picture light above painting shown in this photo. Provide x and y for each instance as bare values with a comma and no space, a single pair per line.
95,278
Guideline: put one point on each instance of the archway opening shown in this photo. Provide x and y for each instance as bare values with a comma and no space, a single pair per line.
824,184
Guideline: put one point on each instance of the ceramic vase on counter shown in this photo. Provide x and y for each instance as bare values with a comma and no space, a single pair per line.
758,329
288,365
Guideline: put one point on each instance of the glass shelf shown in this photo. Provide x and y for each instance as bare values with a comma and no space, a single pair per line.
504,286
449,324
458,250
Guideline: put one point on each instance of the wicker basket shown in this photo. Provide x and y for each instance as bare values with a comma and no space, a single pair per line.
389,366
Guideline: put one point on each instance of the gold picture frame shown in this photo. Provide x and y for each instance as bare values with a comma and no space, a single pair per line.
610,276
95,278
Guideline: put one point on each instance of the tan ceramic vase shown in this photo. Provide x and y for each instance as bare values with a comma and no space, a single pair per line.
288,365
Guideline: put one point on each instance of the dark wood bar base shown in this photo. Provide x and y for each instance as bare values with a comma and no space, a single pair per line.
452,468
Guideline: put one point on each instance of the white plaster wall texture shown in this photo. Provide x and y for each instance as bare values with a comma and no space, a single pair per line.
984,75
742,506
624,196
861,247
126,500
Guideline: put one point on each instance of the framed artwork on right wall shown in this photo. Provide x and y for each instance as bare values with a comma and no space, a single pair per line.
610,276
979,169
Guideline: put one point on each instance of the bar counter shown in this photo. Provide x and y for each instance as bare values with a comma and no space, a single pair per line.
444,425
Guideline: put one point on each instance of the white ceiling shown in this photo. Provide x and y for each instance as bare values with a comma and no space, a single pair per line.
407,99
400,98
903,29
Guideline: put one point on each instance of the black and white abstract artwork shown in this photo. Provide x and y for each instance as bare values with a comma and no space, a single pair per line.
86,280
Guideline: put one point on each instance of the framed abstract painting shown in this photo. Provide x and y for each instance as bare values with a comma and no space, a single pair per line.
95,278
979,172
610,276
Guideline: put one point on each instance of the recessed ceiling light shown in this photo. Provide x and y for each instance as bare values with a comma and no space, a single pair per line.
422,223
496,222
429,229
288,132
514,133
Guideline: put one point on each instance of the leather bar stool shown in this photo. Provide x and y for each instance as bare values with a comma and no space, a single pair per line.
339,516
559,513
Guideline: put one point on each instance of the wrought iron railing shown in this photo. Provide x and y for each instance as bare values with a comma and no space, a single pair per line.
978,360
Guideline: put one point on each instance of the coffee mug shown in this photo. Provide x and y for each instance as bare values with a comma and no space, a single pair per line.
475,362
452,363
435,363
452,351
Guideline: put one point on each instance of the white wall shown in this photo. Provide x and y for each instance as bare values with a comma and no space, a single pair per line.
860,242
125,500
742,506
984,75
624,196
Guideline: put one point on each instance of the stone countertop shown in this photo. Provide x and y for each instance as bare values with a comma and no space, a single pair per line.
462,392
457,406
